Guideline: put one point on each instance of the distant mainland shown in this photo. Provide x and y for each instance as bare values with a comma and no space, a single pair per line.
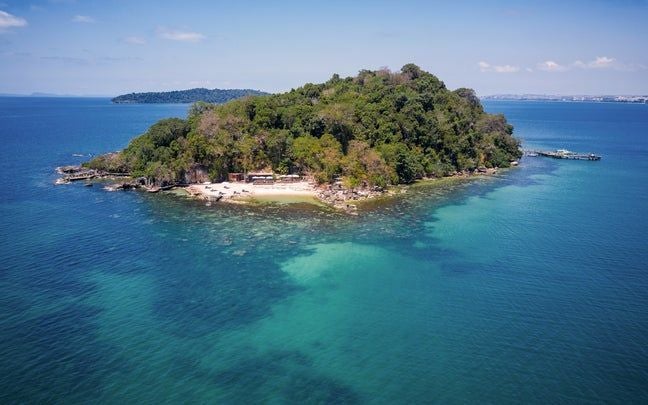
572,98
346,139
215,96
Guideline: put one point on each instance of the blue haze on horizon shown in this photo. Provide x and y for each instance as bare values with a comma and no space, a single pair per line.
108,48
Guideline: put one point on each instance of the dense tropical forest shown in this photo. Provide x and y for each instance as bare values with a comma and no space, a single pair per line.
187,96
377,128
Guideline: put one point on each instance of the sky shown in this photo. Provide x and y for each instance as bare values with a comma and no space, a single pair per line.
111,47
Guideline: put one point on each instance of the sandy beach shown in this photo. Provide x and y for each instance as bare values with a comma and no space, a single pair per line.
227,191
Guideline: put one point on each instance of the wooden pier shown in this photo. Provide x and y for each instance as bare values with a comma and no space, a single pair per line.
563,154
78,173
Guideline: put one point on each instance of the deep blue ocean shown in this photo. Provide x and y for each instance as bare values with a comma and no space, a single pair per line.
527,287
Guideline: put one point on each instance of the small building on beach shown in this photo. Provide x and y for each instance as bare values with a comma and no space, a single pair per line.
260,178
289,178
234,177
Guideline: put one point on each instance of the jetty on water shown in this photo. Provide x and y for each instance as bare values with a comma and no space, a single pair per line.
563,154
77,173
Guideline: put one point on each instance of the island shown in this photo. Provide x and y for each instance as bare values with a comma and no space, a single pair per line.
216,96
343,140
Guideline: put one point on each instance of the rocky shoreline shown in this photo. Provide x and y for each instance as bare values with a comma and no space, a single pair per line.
347,199
335,195
344,198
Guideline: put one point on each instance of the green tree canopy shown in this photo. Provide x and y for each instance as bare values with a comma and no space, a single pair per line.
377,128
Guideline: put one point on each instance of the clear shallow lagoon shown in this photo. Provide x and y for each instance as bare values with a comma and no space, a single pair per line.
531,286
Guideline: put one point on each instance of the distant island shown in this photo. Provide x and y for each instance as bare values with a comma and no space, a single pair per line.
216,96
341,140
577,98
52,95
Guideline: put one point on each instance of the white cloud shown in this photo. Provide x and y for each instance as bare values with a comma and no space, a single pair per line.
83,19
135,40
182,36
8,21
487,67
598,63
506,69
601,62
483,66
551,66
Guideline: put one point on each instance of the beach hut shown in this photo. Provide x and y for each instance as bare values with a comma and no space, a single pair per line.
260,177
254,177
234,177
289,178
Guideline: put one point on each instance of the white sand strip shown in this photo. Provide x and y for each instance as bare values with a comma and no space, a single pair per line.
229,191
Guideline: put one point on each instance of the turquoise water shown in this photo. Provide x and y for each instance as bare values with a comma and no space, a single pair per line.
531,286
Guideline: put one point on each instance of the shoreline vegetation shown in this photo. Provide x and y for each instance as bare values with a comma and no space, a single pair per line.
342,141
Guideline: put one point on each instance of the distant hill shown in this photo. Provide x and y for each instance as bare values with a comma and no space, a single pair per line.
575,98
187,96
40,95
